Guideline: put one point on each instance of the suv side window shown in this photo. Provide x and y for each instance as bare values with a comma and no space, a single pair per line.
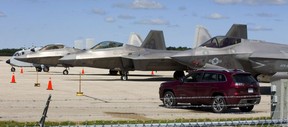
210,77
194,77
213,77
221,78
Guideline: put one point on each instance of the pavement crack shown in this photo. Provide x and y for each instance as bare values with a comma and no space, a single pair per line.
97,99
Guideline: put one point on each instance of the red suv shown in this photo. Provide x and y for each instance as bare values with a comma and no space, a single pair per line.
218,89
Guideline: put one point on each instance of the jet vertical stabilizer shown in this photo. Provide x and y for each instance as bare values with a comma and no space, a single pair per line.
238,31
135,39
201,35
154,40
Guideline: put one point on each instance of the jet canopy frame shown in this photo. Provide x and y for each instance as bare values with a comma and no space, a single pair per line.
52,46
221,41
107,44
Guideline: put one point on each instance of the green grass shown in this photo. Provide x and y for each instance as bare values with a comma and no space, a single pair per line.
108,122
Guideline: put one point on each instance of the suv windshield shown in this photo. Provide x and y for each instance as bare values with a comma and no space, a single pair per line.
244,78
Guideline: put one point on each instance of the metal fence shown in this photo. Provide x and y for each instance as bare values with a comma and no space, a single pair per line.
133,112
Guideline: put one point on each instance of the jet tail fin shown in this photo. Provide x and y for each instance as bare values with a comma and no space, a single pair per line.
201,35
135,39
238,30
154,40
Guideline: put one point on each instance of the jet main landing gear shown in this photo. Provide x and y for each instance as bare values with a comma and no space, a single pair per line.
46,69
178,74
65,72
124,75
38,69
113,72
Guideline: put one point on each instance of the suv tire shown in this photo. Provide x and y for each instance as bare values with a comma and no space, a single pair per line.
219,104
246,108
169,99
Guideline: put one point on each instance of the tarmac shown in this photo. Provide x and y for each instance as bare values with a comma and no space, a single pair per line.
105,97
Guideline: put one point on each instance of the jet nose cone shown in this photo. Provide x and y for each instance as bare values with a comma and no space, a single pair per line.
8,61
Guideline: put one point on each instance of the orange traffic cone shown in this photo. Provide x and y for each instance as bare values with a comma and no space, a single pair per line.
49,84
21,70
13,79
152,72
82,71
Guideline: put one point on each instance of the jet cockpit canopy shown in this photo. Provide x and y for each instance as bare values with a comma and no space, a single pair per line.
220,42
107,44
52,46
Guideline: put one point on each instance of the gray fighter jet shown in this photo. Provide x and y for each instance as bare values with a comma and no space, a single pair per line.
151,55
16,63
237,52
48,55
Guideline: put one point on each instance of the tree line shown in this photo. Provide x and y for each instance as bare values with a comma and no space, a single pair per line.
178,48
8,52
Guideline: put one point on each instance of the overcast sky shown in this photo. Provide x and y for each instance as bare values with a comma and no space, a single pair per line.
24,23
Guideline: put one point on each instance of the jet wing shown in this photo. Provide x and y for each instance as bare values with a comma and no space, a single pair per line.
147,63
269,55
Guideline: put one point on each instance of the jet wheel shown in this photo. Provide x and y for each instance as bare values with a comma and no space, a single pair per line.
113,72
13,69
124,76
46,69
65,72
38,69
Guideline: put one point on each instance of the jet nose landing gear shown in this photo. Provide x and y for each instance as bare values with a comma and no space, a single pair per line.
13,69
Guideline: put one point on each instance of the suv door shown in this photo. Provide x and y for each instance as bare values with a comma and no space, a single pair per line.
211,82
189,91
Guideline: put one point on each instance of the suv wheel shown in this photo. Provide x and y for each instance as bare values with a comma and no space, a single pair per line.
169,99
219,104
246,108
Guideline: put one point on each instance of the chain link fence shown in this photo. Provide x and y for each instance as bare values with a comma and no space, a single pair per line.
92,111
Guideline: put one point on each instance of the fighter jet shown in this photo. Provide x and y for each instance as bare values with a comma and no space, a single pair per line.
16,63
151,55
135,39
237,52
48,55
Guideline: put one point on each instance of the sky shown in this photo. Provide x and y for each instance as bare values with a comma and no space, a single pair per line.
26,23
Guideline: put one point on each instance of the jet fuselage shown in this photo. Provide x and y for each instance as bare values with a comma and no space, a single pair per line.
254,56
126,58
